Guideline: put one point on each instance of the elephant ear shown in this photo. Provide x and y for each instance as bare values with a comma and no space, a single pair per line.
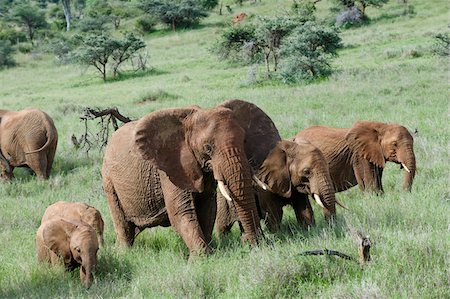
274,171
57,235
364,140
261,135
160,138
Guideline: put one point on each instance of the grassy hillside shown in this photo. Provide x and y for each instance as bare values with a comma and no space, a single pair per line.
385,72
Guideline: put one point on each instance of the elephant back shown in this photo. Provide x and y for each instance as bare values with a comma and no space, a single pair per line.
261,134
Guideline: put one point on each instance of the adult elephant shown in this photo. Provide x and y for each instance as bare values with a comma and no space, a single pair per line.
163,168
28,138
289,173
357,156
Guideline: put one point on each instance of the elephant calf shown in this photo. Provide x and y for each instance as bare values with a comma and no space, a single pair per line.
77,211
288,175
28,138
73,242
357,155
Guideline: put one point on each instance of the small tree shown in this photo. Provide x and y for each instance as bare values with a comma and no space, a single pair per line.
126,48
99,50
30,17
174,12
307,51
366,3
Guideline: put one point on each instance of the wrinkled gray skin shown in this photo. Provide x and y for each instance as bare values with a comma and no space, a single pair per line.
291,172
72,242
28,138
77,211
162,170
357,155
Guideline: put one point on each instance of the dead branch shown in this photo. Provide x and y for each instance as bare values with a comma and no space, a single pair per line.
106,117
328,252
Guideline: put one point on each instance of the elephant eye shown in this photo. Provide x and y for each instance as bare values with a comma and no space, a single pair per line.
207,148
78,249
394,143
306,171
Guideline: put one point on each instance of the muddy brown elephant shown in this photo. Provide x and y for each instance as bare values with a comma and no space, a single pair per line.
73,242
77,211
357,155
287,176
28,138
163,169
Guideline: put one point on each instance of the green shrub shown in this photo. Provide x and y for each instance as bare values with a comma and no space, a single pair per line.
94,24
6,52
174,12
24,47
307,51
12,35
231,43
146,23
442,44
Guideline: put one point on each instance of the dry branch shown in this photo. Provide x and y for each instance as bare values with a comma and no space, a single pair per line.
327,252
106,117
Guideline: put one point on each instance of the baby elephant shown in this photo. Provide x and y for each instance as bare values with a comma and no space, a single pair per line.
77,211
74,242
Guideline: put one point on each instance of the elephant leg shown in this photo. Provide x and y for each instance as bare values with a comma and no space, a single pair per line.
368,175
225,215
303,210
183,216
271,208
125,230
206,209
50,159
38,163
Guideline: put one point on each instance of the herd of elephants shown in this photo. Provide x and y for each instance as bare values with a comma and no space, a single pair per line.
193,169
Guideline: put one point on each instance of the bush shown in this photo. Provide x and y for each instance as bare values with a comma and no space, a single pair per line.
6,52
350,17
208,4
442,45
307,51
174,12
94,24
234,40
62,47
12,35
146,23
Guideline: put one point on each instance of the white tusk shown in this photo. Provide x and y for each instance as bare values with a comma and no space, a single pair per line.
224,190
406,168
259,183
341,204
319,202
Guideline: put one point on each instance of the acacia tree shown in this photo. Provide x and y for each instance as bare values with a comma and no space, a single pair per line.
101,50
30,17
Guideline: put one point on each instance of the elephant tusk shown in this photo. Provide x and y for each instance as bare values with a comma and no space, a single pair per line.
224,190
406,168
341,204
319,202
259,183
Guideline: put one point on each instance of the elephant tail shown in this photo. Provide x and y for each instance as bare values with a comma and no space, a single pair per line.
50,137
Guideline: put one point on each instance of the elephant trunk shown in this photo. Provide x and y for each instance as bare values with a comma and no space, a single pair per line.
86,274
409,167
323,187
234,170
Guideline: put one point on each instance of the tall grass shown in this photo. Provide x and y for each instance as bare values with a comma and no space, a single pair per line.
377,78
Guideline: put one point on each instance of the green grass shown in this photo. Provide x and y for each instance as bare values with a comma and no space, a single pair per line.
377,78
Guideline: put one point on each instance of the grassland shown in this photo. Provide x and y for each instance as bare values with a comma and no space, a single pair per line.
385,72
